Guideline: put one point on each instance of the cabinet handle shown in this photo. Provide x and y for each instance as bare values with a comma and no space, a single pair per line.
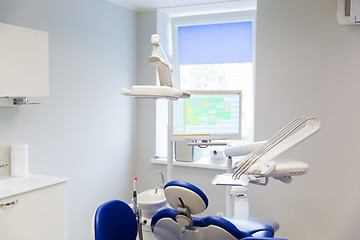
9,203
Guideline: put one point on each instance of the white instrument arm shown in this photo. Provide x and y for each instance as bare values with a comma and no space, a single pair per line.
243,149
258,163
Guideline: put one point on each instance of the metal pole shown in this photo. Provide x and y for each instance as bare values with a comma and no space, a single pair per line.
228,200
170,149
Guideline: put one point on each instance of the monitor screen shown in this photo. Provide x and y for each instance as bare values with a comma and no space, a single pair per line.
207,115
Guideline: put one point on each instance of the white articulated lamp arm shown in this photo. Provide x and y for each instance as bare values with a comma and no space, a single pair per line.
162,63
160,60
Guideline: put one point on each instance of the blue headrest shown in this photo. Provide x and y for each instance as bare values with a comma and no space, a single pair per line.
191,187
115,220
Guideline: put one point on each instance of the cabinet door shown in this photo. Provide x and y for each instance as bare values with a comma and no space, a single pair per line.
39,214
24,62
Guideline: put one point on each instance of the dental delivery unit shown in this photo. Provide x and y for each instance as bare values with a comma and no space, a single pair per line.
259,163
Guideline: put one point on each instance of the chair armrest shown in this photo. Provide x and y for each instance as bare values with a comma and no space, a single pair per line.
263,238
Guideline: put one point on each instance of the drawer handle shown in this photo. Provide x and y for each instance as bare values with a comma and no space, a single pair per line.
9,203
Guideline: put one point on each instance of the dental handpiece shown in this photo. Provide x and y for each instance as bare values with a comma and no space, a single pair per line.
135,197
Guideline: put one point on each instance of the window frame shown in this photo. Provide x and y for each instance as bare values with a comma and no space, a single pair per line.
202,19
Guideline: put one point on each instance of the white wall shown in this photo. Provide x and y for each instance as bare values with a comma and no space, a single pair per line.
84,130
306,64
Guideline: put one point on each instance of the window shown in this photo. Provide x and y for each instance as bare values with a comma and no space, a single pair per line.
214,52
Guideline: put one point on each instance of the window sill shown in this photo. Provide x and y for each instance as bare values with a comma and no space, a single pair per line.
202,163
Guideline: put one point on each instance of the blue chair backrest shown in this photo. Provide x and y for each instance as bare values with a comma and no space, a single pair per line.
115,220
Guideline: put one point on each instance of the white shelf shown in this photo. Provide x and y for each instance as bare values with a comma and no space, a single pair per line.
202,163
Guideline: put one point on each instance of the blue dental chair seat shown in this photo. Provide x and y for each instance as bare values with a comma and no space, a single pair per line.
171,224
114,220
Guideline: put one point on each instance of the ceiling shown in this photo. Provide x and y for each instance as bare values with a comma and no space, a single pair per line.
147,5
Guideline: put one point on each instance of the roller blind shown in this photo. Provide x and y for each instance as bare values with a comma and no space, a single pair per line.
215,43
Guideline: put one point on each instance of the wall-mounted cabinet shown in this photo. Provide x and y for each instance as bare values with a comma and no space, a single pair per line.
24,62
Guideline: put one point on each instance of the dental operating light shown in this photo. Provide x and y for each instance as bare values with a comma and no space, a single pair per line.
162,63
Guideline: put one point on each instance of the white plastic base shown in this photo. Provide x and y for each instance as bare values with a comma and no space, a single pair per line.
227,180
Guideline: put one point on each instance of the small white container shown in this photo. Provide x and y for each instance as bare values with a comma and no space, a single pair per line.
241,207
19,160
241,203
217,156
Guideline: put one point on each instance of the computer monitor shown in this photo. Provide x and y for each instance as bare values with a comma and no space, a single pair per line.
207,115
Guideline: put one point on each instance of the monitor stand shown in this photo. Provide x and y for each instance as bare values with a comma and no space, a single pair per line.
204,143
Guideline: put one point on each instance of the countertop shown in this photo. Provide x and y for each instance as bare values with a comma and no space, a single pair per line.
10,186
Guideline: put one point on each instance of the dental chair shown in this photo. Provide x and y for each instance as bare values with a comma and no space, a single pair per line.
114,220
178,224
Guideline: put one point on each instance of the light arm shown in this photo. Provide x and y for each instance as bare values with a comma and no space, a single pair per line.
160,60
